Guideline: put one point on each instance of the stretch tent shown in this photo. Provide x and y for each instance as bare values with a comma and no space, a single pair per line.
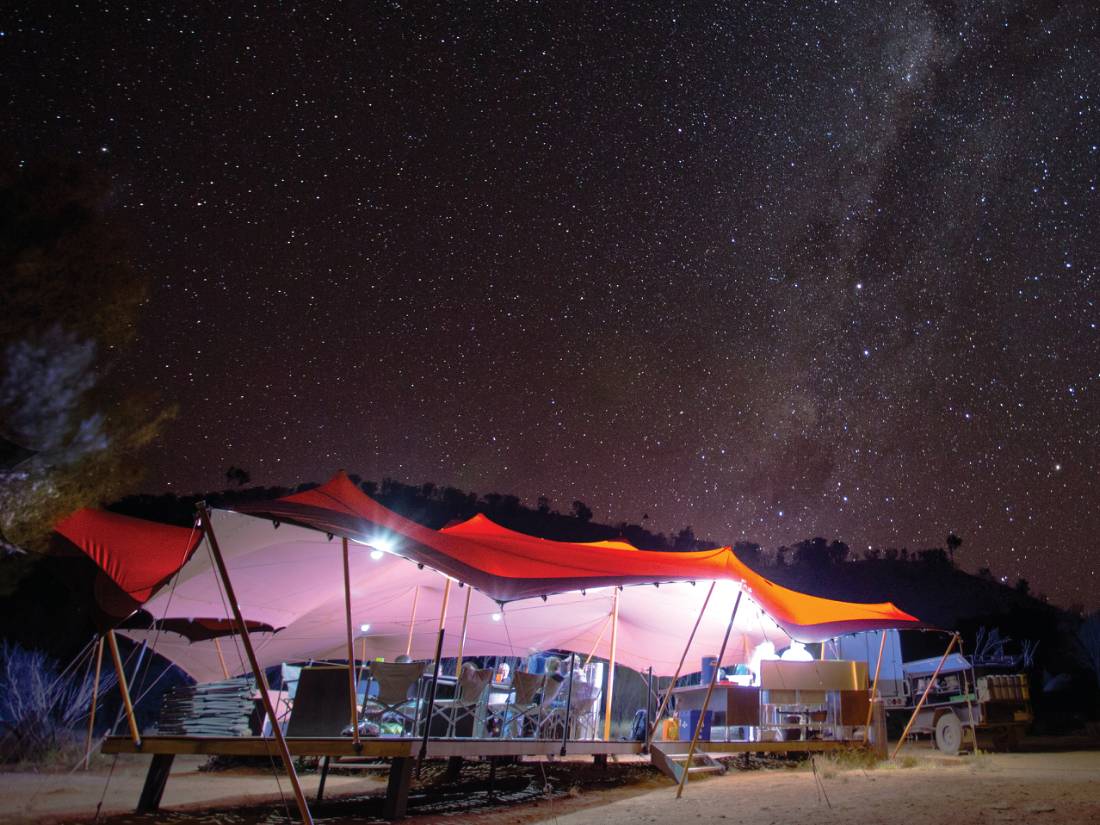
528,594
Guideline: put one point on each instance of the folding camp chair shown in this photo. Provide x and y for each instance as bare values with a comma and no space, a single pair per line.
395,680
320,703
523,713
463,714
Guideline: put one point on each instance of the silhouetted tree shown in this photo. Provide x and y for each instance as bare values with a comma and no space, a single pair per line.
685,540
544,505
238,476
1022,587
581,511
953,544
749,552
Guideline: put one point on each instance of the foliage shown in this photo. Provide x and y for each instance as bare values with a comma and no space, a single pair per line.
39,707
70,299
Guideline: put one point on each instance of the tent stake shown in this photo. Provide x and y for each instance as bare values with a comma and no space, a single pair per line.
257,671
112,644
221,657
706,699
353,710
611,665
462,638
412,621
927,690
679,667
435,677
874,687
95,701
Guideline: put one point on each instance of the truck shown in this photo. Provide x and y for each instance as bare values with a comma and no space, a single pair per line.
969,703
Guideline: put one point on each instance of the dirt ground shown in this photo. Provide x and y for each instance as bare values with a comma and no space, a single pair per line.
922,787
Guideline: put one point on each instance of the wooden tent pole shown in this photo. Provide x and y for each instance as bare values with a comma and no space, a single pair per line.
257,671
706,699
611,665
112,645
412,621
874,688
353,711
599,639
927,690
462,636
679,667
95,701
221,657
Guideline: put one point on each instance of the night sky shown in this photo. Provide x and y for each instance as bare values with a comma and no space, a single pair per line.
772,270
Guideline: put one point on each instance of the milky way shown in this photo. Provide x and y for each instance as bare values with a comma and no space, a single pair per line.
772,270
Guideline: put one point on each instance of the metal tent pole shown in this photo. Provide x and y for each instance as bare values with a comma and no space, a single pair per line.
95,701
352,709
257,671
568,701
679,667
611,665
435,676
874,688
706,699
927,690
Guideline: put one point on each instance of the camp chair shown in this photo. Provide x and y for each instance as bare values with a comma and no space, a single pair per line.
582,712
466,706
524,711
320,703
395,681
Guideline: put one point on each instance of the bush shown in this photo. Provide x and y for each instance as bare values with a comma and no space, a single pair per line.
40,708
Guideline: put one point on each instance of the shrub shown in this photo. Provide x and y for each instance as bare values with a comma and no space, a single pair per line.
40,707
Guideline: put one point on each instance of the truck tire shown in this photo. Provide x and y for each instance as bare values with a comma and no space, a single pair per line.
949,733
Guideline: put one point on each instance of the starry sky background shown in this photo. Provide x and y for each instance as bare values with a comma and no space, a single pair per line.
772,270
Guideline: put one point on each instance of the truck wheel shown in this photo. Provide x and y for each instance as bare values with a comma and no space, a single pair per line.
949,732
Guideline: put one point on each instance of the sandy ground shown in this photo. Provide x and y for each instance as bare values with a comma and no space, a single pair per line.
37,797
1055,788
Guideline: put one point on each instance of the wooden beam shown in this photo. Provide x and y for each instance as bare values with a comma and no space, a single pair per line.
257,671
221,657
927,690
112,644
397,788
706,699
155,780
679,667
611,664
412,622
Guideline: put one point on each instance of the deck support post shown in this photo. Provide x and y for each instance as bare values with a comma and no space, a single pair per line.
112,643
257,671
679,667
611,665
706,699
874,687
397,788
324,775
155,780
353,711
927,690
95,701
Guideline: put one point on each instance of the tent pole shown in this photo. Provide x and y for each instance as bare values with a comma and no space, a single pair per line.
435,675
412,622
352,709
462,638
257,671
679,667
568,701
706,699
874,688
599,639
95,701
112,644
648,706
611,665
221,657
927,690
